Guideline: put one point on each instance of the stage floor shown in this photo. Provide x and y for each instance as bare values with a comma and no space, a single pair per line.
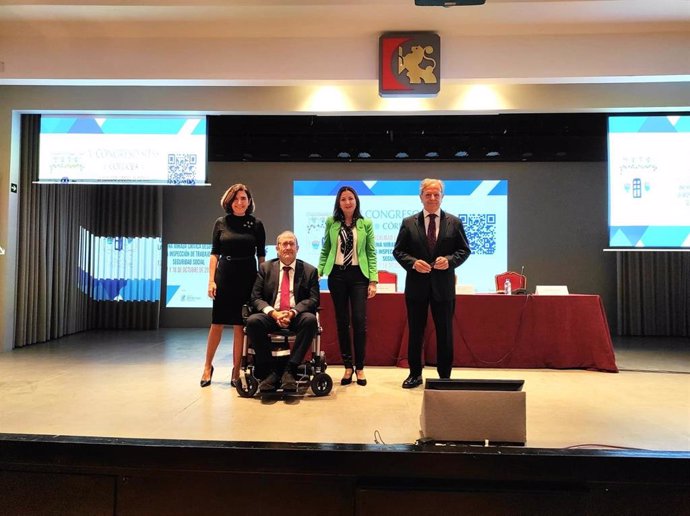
146,385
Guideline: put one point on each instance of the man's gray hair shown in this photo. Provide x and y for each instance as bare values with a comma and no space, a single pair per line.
286,233
427,182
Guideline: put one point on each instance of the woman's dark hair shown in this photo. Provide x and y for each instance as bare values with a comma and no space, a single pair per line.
229,197
337,210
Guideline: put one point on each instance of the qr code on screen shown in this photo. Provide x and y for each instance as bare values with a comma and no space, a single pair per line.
481,231
181,169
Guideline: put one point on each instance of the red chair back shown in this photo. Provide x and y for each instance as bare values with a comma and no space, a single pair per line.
389,277
518,282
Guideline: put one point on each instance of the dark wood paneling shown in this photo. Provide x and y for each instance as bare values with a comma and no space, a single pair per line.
236,494
29,493
374,502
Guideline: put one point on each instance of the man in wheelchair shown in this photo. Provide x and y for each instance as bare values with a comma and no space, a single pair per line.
285,295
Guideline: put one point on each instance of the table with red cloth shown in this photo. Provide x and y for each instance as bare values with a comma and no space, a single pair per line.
490,330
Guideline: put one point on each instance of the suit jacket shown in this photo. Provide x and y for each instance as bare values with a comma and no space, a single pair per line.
305,286
411,245
366,248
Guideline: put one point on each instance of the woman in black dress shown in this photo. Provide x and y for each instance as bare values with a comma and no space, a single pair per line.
238,240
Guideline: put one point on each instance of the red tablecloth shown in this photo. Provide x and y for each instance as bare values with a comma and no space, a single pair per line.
495,331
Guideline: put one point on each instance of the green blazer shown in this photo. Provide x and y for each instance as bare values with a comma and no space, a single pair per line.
366,249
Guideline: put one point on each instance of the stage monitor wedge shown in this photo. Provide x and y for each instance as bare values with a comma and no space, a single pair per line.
447,3
446,384
474,411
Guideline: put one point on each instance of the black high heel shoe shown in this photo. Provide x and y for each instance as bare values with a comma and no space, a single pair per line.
347,380
361,381
206,383
233,381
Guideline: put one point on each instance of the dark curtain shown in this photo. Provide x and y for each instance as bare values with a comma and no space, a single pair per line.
49,301
654,293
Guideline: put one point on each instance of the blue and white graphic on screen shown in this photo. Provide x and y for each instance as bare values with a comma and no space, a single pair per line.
123,149
182,169
481,205
119,268
481,231
187,276
649,181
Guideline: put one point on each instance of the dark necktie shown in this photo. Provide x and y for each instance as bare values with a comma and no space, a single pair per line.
431,232
285,290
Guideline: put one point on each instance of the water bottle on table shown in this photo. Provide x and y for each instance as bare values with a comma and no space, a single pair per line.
507,287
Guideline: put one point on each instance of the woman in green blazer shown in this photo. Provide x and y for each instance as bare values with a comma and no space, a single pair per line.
348,257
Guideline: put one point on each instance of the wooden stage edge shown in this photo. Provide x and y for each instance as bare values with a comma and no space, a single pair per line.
94,475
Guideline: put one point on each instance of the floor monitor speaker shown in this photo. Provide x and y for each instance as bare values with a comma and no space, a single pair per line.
474,411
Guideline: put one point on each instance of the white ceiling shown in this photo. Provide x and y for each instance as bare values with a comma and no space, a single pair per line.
333,18
281,42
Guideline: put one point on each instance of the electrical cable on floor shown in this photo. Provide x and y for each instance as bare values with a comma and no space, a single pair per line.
377,437
608,446
662,371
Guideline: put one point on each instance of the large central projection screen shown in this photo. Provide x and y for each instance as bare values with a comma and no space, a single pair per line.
481,205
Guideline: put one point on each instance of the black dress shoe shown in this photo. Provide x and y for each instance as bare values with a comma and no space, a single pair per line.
206,383
361,381
269,383
412,382
288,382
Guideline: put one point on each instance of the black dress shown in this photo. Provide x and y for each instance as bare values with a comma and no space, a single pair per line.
237,241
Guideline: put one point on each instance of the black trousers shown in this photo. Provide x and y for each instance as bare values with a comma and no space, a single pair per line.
442,314
259,325
349,289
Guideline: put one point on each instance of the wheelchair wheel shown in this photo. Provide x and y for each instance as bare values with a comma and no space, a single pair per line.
252,387
321,384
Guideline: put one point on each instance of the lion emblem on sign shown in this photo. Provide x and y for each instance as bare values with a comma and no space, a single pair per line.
412,63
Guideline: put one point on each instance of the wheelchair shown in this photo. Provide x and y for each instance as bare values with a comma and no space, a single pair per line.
310,374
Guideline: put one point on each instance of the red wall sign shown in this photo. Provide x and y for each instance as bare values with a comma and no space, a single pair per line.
409,64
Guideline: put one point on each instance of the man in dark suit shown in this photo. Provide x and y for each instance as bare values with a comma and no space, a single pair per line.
430,245
285,295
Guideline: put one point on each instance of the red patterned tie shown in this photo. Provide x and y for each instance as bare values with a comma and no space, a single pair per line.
285,290
431,232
